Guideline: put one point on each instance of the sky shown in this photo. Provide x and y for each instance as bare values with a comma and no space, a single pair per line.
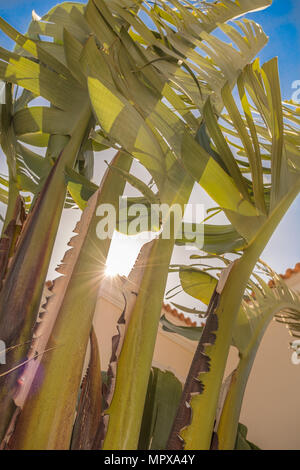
281,24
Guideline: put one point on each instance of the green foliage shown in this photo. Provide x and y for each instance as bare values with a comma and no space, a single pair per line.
241,442
190,332
162,399
156,95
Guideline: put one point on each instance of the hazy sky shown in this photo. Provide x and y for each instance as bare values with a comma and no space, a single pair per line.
281,24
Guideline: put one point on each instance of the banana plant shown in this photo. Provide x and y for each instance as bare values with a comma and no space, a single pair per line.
89,60
126,90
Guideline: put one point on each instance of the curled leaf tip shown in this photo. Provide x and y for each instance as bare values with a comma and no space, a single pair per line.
35,16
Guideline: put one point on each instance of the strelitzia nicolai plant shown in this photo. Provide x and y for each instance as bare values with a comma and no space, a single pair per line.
151,125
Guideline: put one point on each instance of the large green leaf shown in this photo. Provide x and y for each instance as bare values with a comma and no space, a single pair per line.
241,439
140,138
190,332
34,48
217,239
197,283
163,395
189,34
119,118
249,138
68,15
80,188
39,79
43,119
223,148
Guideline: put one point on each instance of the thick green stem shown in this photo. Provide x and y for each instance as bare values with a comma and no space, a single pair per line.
29,267
208,365
126,410
133,369
229,420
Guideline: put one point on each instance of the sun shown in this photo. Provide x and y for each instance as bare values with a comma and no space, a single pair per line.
122,254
